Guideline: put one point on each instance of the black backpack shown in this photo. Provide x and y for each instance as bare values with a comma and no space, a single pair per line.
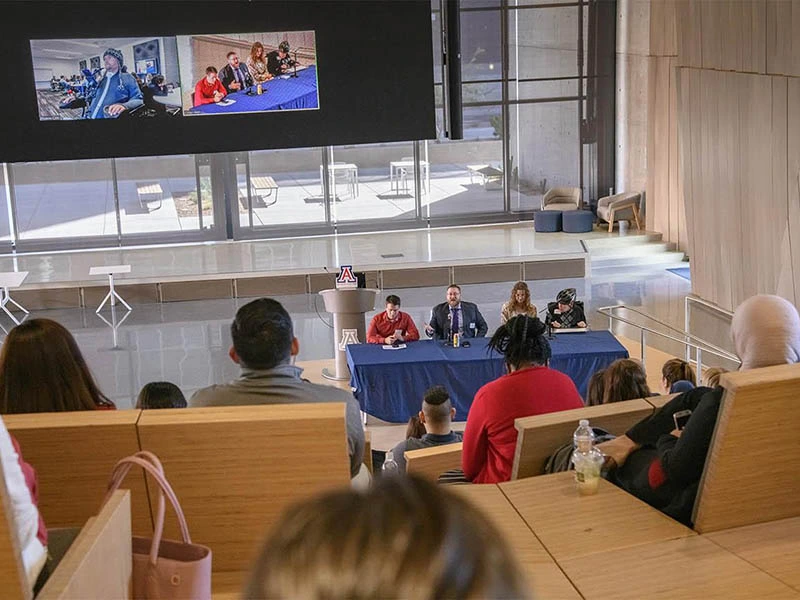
561,459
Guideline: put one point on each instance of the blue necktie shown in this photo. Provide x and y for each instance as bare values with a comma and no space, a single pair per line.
455,320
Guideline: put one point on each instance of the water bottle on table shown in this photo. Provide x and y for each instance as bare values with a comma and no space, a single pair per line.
587,459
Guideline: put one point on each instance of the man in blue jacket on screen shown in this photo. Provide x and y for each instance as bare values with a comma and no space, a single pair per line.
116,92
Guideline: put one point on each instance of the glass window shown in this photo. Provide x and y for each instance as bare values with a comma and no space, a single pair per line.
5,223
64,199
481,46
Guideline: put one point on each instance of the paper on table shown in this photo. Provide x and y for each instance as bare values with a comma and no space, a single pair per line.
390,347
226,102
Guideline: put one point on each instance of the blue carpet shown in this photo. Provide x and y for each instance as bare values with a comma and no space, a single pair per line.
682,272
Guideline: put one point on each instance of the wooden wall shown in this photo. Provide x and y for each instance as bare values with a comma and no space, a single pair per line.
724,142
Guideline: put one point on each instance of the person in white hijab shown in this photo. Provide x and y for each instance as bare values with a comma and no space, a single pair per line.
662,465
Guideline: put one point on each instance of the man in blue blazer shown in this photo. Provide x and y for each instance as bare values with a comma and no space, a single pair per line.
235,76
454,316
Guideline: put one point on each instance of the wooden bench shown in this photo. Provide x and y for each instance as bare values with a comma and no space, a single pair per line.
149,191
265,184
751,473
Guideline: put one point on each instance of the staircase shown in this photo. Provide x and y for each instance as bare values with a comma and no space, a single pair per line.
633,251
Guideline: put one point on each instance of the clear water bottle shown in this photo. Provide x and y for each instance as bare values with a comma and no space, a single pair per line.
587,459
390,465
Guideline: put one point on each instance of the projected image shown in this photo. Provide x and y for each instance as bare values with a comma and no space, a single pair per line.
248,72
125,77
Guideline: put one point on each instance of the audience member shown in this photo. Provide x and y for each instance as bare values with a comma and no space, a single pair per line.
209,89
403,538
596,389
711,376
415,428
117,91
23,498
235,76
519,304
625,379
161,394
264,347
436,415
673,373
529,388
662,465
566,311
278,61
257,63
392,325
455,316
42,370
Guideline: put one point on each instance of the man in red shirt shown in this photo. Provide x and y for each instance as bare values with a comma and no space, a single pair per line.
386,326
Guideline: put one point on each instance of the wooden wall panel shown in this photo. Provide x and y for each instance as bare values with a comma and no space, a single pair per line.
658,134
663,28
755,50
677,217
728,224
793,178
782,45
688,19
712,27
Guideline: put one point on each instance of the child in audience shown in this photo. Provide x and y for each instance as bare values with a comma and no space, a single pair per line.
42,370
436,416
161,394
402,538
677,376
596,388
625,379
529,388
712,375
662,465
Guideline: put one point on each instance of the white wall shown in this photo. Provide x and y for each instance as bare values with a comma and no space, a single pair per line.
45,68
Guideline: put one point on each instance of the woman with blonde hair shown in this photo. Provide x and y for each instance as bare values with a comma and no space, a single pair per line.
403,538
519,304
257,63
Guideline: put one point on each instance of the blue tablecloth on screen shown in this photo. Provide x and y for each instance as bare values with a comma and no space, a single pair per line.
389,384
279,94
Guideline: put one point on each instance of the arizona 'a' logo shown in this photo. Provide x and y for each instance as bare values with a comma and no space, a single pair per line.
349,336
346,277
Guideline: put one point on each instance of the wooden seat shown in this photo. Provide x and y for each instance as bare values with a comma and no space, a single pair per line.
149,191
235,469
751,473
263,187
73,454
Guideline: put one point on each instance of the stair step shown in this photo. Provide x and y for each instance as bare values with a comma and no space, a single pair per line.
614,240
636,250
671,257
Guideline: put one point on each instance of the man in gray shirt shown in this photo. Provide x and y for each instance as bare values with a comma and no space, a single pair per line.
264,346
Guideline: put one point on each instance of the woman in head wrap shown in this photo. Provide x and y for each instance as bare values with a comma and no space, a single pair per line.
662,465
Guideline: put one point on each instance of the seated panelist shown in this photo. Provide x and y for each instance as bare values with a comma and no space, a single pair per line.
392,325
566,312
455,316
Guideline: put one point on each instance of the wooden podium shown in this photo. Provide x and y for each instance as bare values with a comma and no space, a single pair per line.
348,306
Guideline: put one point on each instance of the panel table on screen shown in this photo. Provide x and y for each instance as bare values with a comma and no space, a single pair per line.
390,384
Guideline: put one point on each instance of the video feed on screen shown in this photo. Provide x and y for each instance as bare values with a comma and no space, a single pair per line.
248,72
107,78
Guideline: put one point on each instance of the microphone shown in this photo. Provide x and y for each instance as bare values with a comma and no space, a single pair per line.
548,322
449,327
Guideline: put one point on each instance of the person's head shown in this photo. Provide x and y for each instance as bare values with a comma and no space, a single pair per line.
404,537
415,428
158,79
625,379
42,370
283,49
522,342
211,74
233,59
257,51
263,336
675,370
112,60
566,299
766,332
160,394
520,295
392,306
596,388
437,411
711,376
454,295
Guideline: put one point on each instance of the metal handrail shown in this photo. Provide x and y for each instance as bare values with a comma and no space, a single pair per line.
691,298
690,341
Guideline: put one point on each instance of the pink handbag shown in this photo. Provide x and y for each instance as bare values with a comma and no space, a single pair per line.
164,568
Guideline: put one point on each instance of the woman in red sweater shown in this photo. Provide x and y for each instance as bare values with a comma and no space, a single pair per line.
209,89
529,388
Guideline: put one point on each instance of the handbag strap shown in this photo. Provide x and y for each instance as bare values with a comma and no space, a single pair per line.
152,465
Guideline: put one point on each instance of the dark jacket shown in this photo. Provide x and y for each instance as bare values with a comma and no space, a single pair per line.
665,472
472,321
274,63
227,77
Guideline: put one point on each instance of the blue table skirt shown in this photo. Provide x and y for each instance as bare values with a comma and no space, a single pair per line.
389,384
278,94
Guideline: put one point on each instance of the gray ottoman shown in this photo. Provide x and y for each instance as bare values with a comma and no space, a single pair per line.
547,221
577,221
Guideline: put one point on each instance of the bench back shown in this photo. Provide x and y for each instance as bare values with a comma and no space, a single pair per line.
73,454
751,473
540,435
432,462
235,469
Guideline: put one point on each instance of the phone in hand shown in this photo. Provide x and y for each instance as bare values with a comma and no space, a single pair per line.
681,418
